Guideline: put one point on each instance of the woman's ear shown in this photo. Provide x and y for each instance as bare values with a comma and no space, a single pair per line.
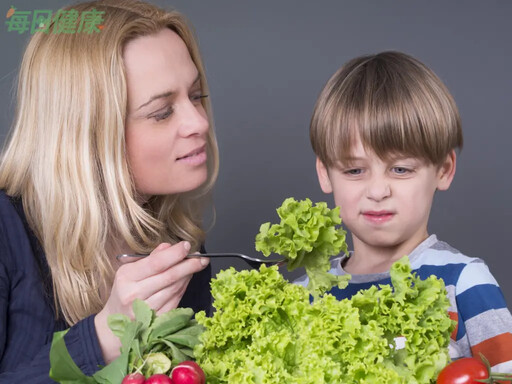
323,176
446,171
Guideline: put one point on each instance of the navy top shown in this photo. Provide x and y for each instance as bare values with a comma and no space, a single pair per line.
27,316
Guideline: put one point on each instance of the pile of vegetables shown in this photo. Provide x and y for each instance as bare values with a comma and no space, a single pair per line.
266,331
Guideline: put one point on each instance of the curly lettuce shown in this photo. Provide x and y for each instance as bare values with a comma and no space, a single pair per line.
265,331
307,236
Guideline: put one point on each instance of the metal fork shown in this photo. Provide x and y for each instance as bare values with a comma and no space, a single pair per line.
252,261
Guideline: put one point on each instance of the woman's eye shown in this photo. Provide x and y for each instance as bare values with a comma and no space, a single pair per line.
163,116
198,97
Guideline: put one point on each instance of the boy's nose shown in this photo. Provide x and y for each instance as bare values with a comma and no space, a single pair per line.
193,120
378,189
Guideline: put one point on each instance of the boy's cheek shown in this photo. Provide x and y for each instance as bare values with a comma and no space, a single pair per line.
343,214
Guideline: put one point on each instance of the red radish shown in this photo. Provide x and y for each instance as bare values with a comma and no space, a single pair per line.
134,378
188,372
159,378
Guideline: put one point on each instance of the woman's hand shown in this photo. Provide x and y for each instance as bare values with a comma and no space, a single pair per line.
159,279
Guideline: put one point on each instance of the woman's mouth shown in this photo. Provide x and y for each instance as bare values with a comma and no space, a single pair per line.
378,217
194,157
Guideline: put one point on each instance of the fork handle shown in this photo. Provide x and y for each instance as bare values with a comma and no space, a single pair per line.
137,256
142,255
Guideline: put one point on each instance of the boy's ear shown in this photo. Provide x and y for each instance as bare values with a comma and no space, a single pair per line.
323,176
446,171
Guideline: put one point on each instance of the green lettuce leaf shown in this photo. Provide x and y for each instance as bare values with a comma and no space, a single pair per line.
63,368
307,236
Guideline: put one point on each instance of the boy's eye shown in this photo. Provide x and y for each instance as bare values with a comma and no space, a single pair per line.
162,116
400,170
354,171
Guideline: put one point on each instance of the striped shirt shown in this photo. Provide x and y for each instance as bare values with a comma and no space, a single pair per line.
484,323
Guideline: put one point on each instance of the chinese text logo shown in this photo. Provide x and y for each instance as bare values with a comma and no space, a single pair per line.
64,21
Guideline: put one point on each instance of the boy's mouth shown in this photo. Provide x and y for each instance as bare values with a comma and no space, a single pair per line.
378,216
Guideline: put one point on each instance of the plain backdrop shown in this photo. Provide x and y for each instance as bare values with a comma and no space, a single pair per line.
266,63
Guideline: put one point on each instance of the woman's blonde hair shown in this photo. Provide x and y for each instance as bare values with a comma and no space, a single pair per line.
393,103
66,156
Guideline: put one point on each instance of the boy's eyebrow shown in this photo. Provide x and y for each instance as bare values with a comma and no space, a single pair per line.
403,157
350,159
165,94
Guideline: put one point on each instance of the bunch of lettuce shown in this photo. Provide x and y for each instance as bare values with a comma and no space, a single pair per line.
265,331
307,236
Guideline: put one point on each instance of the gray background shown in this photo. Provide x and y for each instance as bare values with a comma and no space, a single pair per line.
266,64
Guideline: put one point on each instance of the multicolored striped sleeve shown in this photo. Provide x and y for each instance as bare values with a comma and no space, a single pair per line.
483,316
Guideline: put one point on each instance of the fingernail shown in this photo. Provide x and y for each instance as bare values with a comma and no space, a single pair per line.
204,261
186,245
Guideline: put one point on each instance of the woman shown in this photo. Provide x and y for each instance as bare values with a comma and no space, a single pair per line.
112,151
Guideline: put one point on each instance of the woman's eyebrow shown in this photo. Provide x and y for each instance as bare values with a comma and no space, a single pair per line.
156,97
197,79
165,94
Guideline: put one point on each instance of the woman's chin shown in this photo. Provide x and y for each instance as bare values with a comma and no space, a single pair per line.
162,189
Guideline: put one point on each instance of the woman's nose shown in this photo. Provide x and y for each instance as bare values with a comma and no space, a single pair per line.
193,119
378,189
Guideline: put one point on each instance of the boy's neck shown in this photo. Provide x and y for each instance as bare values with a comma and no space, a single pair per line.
367,259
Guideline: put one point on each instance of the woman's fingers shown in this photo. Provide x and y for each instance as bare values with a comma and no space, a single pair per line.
184,269
169,297
162,277
161,259
165,266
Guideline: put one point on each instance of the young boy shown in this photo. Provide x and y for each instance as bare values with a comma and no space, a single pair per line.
384,131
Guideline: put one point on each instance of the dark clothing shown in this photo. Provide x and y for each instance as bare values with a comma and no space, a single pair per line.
27,316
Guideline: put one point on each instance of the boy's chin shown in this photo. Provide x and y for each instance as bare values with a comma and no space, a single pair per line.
381,240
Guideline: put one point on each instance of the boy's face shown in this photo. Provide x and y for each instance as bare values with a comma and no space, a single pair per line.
385,203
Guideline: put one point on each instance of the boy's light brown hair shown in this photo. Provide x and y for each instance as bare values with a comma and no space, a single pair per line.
394,103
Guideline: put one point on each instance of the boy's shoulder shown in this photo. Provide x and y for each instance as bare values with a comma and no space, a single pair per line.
454,267
433,251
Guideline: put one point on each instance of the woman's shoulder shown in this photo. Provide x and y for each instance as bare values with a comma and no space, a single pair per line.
11,213
5,200
13,231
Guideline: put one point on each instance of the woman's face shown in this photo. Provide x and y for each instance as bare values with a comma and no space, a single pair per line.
166,124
